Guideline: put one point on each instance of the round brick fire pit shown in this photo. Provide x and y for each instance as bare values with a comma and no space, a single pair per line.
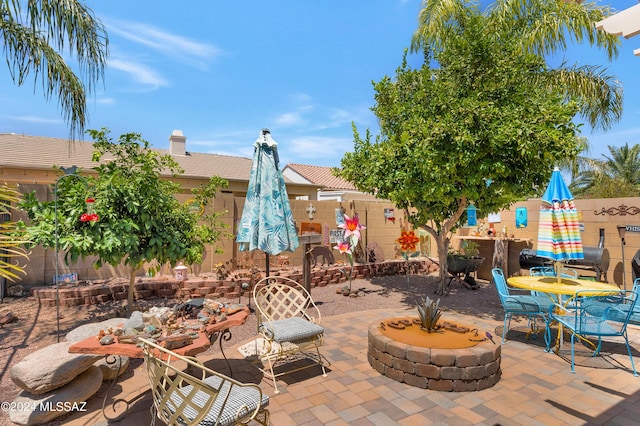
460,369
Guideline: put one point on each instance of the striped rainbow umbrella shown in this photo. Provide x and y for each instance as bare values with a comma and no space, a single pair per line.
559,225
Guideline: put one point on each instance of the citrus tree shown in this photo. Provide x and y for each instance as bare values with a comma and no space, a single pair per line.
482,121
134,218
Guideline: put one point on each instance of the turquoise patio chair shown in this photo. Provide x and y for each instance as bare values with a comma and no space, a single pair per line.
520,304
605,314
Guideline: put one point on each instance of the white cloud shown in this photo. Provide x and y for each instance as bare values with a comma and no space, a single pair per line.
33,119
171,45
139,72
316,147
290,119
105,101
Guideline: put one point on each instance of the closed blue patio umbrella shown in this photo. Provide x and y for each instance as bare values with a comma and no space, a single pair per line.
267,222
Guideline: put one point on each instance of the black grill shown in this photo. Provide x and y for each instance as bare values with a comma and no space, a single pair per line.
596,259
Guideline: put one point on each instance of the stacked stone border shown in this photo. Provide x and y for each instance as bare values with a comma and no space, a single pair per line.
448,370
98,292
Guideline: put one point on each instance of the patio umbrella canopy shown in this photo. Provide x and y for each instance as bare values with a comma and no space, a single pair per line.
559,225
267,222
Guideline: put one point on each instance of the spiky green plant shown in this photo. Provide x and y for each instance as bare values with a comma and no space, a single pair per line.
429,312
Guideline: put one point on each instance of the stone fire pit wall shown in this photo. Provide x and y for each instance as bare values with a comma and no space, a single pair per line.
448,370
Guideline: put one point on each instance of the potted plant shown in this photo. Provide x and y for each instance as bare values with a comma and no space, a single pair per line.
464,260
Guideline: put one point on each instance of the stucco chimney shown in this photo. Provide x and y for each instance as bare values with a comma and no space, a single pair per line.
177,143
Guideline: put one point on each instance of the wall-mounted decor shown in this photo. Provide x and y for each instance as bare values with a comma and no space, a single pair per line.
494,218
472,219
310,228
621,210
389,214
521,217
336,236
339,217
311,210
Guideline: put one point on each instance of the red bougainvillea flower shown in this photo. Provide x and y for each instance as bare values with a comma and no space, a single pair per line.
352,227
408,241
343,247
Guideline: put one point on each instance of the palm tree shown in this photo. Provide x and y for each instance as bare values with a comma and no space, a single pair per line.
541,28
615,176
35,35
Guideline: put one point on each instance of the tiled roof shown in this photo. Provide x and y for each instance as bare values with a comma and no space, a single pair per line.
37,152
320,175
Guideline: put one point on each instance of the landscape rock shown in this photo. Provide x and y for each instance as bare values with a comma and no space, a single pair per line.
50,368
88,330
6,317
38,409
110,371
135,322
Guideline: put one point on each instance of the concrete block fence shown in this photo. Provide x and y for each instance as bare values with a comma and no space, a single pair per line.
97,292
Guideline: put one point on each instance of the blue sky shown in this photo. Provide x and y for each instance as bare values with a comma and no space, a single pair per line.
221,71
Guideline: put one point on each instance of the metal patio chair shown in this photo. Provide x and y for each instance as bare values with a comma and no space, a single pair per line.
605,314
519,304
200,396
288,327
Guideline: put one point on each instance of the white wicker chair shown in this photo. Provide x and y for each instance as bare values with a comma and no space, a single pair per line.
288,327
213,399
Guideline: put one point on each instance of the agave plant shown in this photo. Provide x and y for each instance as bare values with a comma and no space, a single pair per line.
429,312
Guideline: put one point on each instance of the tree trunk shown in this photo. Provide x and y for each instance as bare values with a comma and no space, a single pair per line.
442,244
132,283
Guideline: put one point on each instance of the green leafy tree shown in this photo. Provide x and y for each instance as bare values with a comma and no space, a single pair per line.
480,127
617,175
139,220
211,227
541,28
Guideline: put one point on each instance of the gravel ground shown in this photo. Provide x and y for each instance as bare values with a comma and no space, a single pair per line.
37,327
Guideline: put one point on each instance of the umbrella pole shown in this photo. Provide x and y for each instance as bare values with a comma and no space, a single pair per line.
558,275
266,256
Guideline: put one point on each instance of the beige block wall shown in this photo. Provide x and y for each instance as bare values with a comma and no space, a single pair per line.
41,267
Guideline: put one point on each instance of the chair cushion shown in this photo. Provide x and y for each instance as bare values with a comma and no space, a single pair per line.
294,329
245,398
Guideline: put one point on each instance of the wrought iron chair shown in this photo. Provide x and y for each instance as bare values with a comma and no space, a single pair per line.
181,398
594,307
288,327
521,304
605,314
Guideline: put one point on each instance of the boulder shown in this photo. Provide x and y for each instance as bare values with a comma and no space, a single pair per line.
6,317
135,322
110,371
38,409
80,333
49,368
